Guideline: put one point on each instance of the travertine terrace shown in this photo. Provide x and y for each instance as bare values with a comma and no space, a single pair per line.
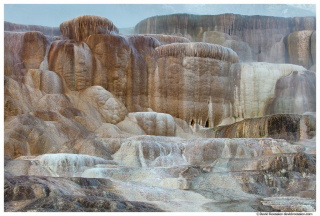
193,113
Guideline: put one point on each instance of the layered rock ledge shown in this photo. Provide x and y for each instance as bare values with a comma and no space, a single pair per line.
82,27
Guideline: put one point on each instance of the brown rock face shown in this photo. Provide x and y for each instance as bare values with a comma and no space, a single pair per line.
109,107
24,51
295,93
81,27
71,60
281,126
97,119
117,63
298,49
46,81
29,135
241,48
19,98
192,76
261,33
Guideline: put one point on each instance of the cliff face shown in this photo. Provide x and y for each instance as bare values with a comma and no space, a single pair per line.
143,73
191,82
262,33
50,31
24,51
95,116
231,24
298,49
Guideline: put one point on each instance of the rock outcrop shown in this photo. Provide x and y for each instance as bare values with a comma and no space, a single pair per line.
97,121
281,126
81,27
193,76
241,48
298,49
71,60
152,123
109,107
43,194
294,94
260,34
25,50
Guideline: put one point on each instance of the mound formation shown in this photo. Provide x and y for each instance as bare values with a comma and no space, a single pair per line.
192,114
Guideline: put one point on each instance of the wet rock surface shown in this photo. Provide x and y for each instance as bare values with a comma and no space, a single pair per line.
279,126
181,118
259,35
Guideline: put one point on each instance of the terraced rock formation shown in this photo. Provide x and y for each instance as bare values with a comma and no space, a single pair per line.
254,38
98,121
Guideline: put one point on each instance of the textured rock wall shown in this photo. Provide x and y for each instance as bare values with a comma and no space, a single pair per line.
120,65
280,126
82,27
24,50
190,82
51,31
80,119
153,151
261,33
43,116
72,60
109,107
241,48
129,68
298,48
253,85
295,93
159,124
314,47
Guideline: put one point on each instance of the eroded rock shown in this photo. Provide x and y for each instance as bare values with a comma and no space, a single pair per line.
82,27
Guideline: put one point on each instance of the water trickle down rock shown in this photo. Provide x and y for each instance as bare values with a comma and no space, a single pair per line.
190,82
261,33
295,93
168,171
82,27
298,50
290,127
253,84
24,51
